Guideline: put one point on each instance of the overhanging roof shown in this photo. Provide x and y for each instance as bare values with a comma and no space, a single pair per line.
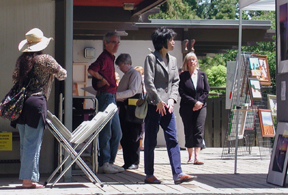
91,22
212,36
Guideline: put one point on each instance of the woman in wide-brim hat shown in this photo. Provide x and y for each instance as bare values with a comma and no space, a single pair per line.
37,70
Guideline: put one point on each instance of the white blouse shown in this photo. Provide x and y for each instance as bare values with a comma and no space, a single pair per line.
194,78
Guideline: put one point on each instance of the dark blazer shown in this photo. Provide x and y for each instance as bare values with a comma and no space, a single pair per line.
190,95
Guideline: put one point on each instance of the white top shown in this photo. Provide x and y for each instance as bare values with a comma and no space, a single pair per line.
194,78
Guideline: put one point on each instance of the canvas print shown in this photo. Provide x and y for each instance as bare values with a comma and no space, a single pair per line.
262,72
233,124
254,67
250,118
272,104
280,153
266,123
255,89
278,163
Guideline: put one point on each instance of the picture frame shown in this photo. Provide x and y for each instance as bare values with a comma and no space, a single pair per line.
250,117
266,123
254,67
260,68
278,163
272,104
255,89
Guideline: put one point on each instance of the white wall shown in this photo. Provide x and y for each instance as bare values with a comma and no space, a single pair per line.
138,51
16,18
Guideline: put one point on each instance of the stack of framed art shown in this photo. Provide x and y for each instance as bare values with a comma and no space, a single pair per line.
254,73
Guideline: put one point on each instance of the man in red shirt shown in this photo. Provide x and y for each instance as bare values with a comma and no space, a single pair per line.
104,82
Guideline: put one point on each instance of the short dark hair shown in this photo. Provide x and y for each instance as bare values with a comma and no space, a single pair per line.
123,58
108,36
161,36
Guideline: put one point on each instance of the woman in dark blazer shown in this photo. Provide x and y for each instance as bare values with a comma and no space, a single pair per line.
193,89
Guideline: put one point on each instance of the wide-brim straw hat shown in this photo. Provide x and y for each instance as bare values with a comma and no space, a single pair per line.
35,41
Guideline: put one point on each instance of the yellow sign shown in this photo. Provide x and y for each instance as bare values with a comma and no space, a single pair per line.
132,101
5,141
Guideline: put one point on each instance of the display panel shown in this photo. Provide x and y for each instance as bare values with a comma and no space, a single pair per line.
282,36
278,163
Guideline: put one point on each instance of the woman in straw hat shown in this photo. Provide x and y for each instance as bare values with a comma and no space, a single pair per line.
38,70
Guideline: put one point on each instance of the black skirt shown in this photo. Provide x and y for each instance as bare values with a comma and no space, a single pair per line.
34,108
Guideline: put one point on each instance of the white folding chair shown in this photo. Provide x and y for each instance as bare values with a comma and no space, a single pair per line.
86,130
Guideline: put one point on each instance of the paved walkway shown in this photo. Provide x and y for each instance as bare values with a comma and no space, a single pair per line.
216,176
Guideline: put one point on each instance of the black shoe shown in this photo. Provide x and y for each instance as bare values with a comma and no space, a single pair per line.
133,166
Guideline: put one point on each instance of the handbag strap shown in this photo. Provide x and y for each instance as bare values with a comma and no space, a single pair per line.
143,92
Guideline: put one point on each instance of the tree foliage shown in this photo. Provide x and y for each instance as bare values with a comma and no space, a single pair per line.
197,9
220,9
175,9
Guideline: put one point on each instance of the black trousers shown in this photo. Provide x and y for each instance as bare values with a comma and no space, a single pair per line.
131,134
193,122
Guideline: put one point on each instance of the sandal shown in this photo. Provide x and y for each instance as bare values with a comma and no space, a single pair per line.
190,162
198,163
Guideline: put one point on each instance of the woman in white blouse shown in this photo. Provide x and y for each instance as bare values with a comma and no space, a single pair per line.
193,89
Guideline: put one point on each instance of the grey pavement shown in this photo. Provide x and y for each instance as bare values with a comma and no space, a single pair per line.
216,176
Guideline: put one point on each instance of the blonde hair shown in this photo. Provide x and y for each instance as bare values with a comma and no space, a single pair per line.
188,55
140,69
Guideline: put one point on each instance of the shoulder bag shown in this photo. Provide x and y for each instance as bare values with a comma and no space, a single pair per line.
12,104
141,105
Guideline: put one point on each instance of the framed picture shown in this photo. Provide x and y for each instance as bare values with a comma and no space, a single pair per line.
255,89
250,117
260,68
266,123
254,67
278,163
272,104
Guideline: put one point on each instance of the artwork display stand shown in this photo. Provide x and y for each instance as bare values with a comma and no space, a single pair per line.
239,98
238,140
